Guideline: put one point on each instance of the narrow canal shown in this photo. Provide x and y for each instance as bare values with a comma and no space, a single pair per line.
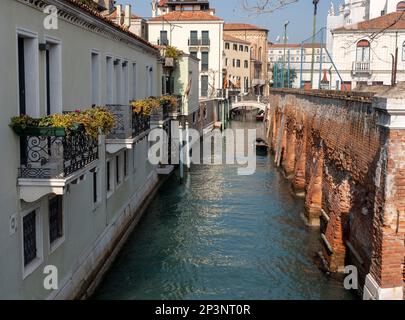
222,236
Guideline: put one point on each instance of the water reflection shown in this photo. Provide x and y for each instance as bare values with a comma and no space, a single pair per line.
222,236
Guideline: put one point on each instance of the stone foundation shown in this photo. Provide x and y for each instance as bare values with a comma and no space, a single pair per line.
345,152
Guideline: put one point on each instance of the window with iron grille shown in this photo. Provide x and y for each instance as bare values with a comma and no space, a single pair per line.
55,219
30,237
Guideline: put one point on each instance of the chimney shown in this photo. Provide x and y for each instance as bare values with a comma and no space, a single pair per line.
128,15
154,8
119,13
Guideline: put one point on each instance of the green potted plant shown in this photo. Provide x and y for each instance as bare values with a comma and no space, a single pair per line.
92,121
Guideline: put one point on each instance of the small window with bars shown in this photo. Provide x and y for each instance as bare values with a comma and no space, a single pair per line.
55,219
30,237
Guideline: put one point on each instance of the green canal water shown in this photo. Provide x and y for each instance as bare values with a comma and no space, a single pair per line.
222,236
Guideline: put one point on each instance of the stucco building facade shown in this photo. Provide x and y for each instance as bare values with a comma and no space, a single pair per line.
76,219
258,38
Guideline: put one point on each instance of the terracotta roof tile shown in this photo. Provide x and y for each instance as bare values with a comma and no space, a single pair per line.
187,16
99,16
242,26
391,21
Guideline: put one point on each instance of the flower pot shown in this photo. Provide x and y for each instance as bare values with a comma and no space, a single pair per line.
40,131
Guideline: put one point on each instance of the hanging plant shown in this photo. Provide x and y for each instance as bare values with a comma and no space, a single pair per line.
93,121
172,52
146,106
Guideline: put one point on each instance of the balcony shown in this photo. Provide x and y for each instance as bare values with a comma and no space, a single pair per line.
52,159
258,82
129,127
195,42
361,68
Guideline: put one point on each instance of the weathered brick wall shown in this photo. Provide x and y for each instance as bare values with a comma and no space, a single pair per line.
332,147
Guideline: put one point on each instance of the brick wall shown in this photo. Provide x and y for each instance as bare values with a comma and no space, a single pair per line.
352,172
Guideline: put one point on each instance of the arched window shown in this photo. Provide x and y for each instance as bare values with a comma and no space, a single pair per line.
260,53
363,51
401,6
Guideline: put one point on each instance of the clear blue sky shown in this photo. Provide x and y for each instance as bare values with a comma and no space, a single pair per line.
299,14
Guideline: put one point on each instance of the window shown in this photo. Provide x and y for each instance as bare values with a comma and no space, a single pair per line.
110,81
260,54
194,117
134,81
53,78
32,241
227,46
95,78
235,47
246,49
125,163
241,48
204,86
163,38
109,177
205,38
118,169
238,63
30,237
363,51
234,63
149,84
55,219
125,82
117,78
194,54
96,195
246,64
401,6
226,62
28,75
193,38
204,61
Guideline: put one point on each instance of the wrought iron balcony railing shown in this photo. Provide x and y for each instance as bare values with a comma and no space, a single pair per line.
128,124
140,124
50,156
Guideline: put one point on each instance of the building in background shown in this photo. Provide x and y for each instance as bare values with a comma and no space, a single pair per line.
198,33
236,64
258,39
298,58
355,11
161,7
364,53
123,16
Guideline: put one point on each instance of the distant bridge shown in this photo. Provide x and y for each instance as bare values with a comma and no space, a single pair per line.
249,101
